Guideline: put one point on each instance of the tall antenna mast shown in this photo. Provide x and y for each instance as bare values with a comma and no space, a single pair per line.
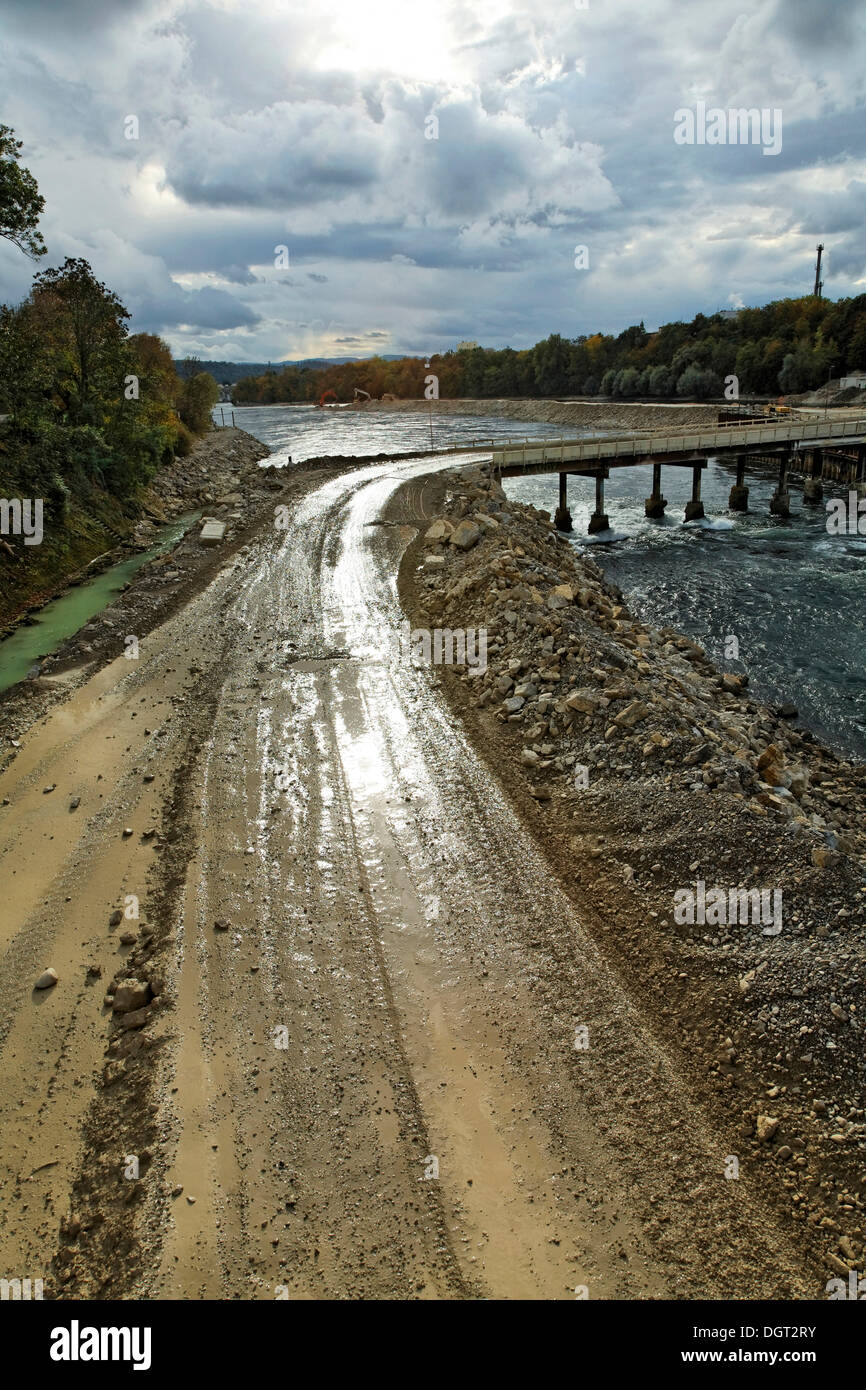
819,283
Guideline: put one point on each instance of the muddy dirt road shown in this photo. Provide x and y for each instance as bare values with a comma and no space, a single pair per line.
365,1078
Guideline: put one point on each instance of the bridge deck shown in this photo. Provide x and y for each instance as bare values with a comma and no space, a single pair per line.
682,446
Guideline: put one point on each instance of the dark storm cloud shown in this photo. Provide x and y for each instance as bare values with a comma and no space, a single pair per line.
70,14
237,275
826,27
206,308
282,157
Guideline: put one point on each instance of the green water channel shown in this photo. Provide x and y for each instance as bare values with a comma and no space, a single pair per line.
64,616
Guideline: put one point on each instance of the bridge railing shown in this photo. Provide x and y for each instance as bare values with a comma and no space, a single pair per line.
684,441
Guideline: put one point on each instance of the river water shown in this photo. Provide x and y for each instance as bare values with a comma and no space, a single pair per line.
66,615
789,595
304,432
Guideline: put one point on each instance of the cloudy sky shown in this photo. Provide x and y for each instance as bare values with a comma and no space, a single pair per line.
274,123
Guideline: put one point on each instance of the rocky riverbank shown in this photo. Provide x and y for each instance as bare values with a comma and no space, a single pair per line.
650,775
564,415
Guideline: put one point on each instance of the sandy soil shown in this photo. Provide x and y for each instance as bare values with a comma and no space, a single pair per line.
334,1054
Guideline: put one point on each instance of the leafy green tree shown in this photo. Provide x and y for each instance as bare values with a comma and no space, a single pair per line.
20,201
661,381
198,396
856,354
552,365
700,382
627,382
799,370
84,324
25,376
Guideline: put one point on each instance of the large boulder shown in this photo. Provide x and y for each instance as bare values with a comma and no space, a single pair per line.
130,995
465,535
632,714
585,701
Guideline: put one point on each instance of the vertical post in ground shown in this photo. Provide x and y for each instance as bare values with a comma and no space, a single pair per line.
813,489
780,504
739,498
598,521
562,519
655,504
695,508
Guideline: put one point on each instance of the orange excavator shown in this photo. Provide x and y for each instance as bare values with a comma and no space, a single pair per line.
324,396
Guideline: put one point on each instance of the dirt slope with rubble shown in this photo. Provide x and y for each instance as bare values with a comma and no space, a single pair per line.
644,771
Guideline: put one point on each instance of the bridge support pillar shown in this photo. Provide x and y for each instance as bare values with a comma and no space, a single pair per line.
598,521
695,508
562,519
739,498
654,506
780,503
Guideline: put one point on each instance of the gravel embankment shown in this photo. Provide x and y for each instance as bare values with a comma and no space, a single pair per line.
564,415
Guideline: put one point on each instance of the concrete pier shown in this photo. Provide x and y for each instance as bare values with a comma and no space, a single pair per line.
813,488
780,503
599,521
562,518
654,506
695,508
738,501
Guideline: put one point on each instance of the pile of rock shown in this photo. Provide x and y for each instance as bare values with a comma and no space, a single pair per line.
587,684
223,472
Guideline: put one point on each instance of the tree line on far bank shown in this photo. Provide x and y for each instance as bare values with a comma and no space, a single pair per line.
785,347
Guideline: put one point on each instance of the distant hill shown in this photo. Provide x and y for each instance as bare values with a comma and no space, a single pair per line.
230,372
